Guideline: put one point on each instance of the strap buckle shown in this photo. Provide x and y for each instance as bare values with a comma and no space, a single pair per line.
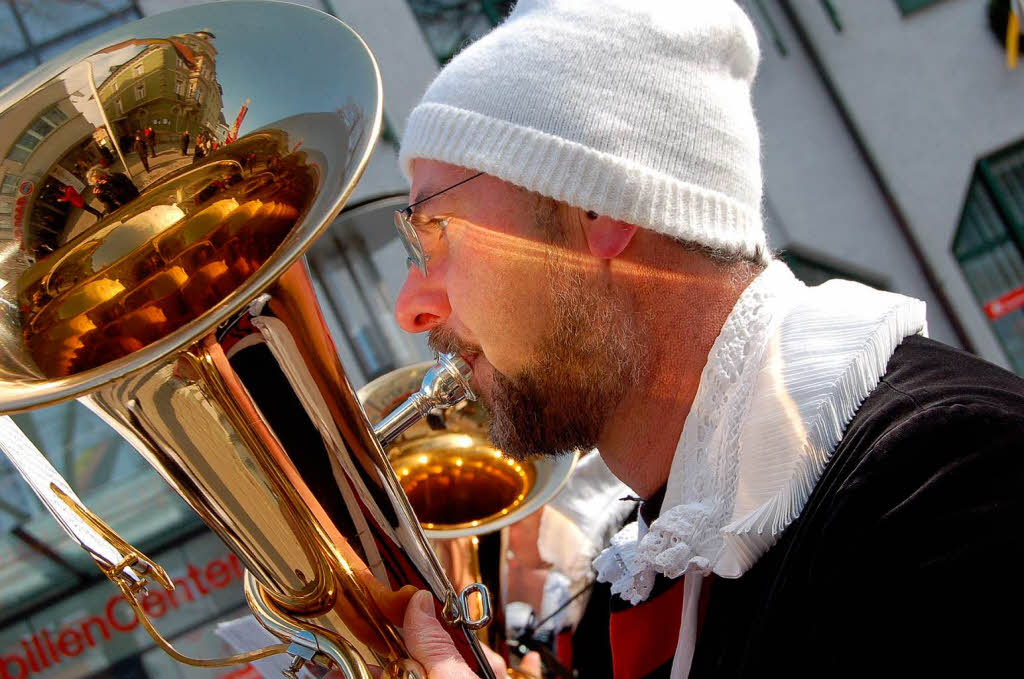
485,616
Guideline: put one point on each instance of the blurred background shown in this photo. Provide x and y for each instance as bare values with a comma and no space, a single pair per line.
893,155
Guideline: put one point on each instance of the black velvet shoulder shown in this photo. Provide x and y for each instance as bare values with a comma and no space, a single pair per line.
904,559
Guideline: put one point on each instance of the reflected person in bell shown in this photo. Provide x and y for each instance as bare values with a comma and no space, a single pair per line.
825,491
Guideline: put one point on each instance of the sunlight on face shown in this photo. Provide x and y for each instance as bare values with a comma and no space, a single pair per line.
554,350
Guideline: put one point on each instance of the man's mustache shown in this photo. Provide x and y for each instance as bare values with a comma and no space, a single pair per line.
444,340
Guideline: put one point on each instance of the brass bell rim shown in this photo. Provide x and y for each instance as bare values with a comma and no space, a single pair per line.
28,392
554,470
549,474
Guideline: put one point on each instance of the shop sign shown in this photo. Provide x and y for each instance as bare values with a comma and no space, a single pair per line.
1005,304
92,630
19,212
25,190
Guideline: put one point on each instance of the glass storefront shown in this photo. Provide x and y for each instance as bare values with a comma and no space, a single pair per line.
989,245
93,633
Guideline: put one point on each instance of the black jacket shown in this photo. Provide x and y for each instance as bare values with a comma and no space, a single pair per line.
116,191
906,559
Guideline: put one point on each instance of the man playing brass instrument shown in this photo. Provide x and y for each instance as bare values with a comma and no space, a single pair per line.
826,491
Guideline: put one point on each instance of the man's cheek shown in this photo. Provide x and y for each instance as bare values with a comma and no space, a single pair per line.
476,299
492,300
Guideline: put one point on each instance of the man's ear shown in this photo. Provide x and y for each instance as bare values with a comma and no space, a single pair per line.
607,237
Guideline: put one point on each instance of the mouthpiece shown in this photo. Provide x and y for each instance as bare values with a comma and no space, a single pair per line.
444,385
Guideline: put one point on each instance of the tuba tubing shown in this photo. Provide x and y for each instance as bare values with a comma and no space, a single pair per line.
326,534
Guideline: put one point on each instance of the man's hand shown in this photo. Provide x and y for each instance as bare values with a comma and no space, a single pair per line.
430,645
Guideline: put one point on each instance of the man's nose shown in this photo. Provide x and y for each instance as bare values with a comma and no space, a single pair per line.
422,302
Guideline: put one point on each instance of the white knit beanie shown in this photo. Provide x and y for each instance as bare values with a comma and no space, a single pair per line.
636,109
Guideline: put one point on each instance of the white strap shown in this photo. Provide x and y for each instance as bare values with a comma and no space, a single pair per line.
40,474
687,626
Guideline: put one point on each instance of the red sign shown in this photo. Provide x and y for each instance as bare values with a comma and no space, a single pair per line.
25,190
233,134
1005,304
46,648
19,211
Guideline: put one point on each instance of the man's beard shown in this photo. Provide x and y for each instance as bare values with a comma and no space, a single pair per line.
592,357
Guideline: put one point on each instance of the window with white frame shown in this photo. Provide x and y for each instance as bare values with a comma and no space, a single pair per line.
40,128
138,69
179,87
120,106
9,184
140,91
54,115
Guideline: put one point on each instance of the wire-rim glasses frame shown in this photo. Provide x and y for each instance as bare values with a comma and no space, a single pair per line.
410,238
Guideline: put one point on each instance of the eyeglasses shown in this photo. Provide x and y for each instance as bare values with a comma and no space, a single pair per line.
417,256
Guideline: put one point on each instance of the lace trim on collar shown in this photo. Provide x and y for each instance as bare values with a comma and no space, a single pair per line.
785,376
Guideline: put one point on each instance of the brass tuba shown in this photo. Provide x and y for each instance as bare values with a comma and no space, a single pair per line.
467,495
184,316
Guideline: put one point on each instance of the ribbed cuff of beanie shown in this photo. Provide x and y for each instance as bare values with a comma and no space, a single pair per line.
581,176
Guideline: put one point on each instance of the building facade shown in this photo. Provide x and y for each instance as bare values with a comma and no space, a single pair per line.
171,86
917,94
32,159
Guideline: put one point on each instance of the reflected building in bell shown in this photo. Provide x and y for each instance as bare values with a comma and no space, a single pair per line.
170,86
53,120
167,84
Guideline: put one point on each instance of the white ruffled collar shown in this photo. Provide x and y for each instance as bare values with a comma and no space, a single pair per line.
783,379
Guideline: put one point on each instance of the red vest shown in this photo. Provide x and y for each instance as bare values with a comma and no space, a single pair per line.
644,637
